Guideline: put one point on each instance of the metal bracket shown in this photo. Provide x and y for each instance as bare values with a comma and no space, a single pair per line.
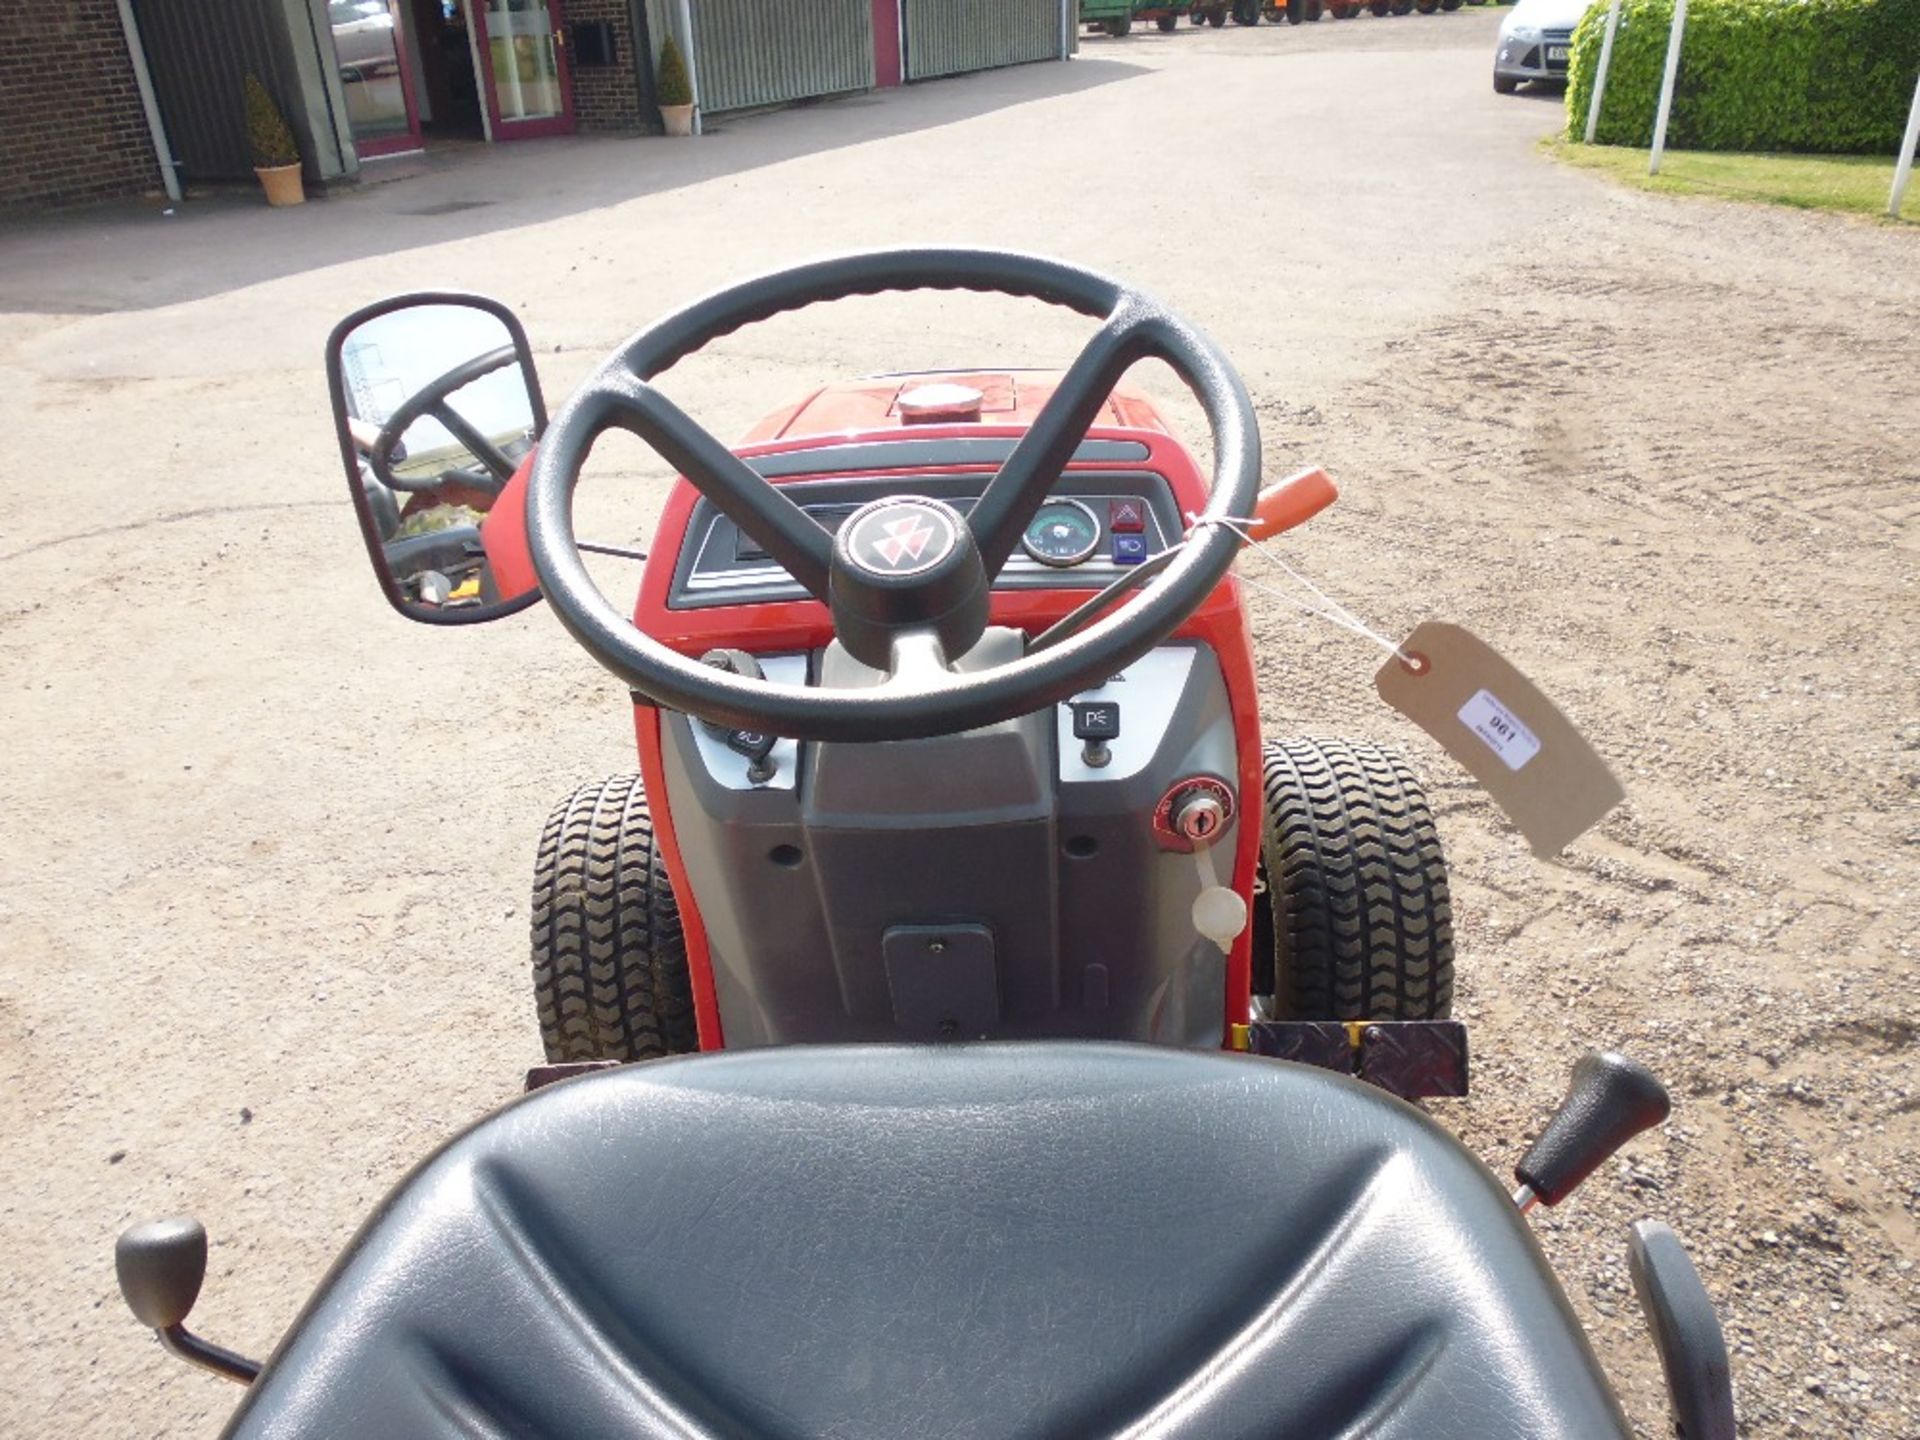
540,1075
1414,1059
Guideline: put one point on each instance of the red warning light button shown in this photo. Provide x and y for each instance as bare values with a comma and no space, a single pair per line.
1126,516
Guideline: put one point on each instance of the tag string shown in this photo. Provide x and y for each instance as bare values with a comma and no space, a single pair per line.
1329,609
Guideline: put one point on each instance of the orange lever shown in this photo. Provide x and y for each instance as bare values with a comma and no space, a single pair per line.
1290,502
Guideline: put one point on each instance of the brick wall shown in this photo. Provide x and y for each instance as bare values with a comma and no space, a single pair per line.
607,97
71,126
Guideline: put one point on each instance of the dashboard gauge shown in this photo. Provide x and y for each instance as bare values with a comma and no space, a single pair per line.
1062,533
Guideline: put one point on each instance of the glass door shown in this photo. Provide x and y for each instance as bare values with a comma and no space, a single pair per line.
522,52
370,49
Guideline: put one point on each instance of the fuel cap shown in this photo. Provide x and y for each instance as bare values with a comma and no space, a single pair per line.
941,404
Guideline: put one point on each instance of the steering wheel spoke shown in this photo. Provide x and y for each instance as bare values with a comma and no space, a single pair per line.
744,496
1130,334
478,445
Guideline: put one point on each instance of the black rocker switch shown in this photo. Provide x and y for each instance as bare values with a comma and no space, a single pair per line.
753,744
1095,722
161,1265
1612,1099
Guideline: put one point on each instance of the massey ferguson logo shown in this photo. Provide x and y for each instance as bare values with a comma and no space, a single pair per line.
904,542
902,539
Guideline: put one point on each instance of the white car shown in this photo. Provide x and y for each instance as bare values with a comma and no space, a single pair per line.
1534,42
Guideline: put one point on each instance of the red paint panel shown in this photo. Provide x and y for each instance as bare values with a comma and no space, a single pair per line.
503,535
653,779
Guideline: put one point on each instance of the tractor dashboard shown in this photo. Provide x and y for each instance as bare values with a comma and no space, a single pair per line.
1097,523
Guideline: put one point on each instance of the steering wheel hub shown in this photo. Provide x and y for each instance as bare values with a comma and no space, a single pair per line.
905,564
894,538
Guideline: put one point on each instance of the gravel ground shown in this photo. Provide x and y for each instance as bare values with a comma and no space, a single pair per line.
266,847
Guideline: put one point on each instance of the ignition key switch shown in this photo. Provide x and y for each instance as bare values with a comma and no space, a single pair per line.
1194,814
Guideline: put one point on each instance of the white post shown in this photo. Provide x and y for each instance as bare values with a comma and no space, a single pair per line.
156,128
1666,85
1600,74
1903,169
693,65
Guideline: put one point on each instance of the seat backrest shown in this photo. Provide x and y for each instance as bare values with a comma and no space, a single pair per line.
881,1243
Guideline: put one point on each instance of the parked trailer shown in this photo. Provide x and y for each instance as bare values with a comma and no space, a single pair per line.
1116,17
1215,12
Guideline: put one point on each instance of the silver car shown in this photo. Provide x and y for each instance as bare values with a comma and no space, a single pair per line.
1534,42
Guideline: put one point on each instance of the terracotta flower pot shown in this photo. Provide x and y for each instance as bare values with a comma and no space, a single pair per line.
679,119
282,184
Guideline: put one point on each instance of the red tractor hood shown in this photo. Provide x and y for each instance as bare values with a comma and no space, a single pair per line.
1009,397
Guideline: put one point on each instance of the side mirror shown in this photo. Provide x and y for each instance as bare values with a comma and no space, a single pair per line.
436,406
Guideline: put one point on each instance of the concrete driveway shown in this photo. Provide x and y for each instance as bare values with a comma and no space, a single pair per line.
266,847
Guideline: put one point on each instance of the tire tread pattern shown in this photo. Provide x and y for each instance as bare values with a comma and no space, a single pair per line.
610,976
1357,883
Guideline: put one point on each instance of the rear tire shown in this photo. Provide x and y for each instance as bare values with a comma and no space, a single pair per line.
610,975
1168,24
1119,29
1381,8
1358,922
1216,18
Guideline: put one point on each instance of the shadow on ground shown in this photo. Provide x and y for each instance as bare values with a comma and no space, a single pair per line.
136,256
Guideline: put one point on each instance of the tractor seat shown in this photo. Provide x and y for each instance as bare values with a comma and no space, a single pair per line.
887,1243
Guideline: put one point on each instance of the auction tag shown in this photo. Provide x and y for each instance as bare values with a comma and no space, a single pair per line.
1494,721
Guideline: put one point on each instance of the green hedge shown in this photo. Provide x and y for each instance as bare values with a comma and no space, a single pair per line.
1828,76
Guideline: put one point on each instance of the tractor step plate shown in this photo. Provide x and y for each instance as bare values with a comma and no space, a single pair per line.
1414,1059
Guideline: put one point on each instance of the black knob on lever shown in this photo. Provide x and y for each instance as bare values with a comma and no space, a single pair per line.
1612,1099
161,1265
755,745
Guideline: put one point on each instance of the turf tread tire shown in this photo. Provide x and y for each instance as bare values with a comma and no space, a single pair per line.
610,978
1360,915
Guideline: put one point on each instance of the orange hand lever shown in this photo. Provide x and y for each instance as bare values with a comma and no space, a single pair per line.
1290,502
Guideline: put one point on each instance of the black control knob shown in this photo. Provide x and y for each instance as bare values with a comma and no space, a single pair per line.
161,1265
734,662
1095,722
1611,1100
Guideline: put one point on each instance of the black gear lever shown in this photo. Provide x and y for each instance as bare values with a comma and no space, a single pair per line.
161,1264
1611,1100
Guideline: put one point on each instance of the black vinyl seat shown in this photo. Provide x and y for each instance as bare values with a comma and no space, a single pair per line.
890,1243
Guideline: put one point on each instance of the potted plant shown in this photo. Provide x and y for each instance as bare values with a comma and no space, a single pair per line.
676,91
276,158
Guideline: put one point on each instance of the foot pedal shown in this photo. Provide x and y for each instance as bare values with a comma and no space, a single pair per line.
1414,1059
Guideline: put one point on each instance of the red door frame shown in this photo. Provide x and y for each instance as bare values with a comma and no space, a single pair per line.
500,129
409,141
887,54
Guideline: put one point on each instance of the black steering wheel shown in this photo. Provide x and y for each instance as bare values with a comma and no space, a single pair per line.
908,580
433,400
